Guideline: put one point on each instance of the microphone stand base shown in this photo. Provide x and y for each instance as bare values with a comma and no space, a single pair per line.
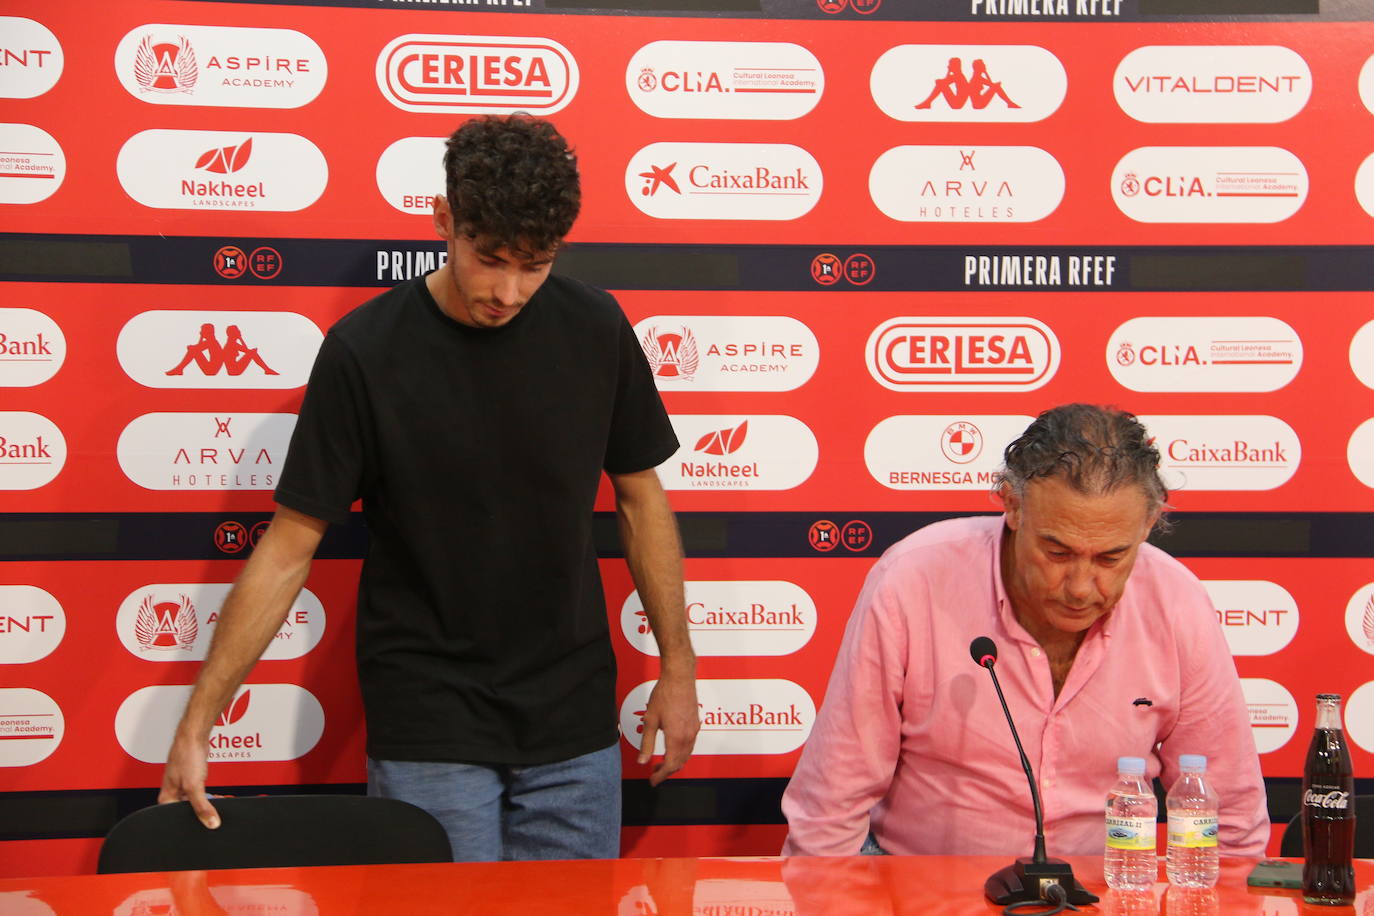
1023,881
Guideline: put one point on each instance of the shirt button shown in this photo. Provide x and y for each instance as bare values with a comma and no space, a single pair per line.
1035,652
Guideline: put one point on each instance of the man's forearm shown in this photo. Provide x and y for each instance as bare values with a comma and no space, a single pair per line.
653,552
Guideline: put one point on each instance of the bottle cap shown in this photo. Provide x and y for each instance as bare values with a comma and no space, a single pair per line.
1132,765
1329,696
1192,762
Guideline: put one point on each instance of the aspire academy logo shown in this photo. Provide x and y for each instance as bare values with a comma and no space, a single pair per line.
765,181
1204,354
32,624
962,354
201,451
174,169
1212,84
940,452
172,622
744,716
1209,184
263,722
758,80
1257,617
1012,184
162,625
728,353
476,74
968,83
733,618
184,349
31,58
168,66
759,452
671,354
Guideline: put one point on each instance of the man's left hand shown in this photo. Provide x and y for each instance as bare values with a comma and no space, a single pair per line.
673,708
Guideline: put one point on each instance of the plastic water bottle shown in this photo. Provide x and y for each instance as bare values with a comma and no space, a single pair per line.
1129,862
1192,806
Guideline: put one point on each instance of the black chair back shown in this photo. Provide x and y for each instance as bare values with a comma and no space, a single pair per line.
1291,844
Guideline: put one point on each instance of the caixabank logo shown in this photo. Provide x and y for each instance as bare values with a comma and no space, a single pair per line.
724,80
31,726
175,622
1258,617
746,716
477,74
1273,713
947,353
205,451
728,353
32,624
1212,84
246,350
733,618
221,170
1209,184
724,452
220,66
968,83
31,58
32,164
33,450
410,173
1204,354
1224,452
262,722
763,181
32,348
946,452
966,184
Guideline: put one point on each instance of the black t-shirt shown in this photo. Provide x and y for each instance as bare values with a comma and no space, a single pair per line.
482,631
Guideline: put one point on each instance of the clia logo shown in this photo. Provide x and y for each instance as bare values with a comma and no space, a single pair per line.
32,723
32,164
1273,713
477,74
167,66
757,80
1209,184
968,83
166,624
671,355
1204,354
723,441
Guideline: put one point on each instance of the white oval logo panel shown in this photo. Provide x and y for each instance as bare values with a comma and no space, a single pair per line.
32,348
962,354
1367,84
236,899
1362,354
174,623
203,451
970,83
733,618
410,172
1257,617
32,165
1359,453
262,722
735,452
33,450
1251,353
1224,452
477,74
174,349
974,184
221,170
1273,713
1212,84
956,452
30,59
220,66
1359,617
1359,716
32,624
724,80
1209,184
723,181
728,353
31,726
1364,184
746,716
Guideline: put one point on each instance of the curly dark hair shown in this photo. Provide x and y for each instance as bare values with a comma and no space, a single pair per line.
1093,449
512,182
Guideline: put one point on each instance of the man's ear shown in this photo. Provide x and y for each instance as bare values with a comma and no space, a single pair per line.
1011,504
443,218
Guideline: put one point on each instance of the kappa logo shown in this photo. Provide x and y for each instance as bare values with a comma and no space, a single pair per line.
659,177
477,74
162,625
977,90
672,355
968,83
723,441
756,80
166,66
233,357
253,349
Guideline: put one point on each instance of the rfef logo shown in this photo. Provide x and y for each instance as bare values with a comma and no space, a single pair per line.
32,348
220,170
31,726
1212,84
33,450
32,165
1273,713
1243,353
757,80
1257,617
745,716
733,618
757,452
410,173
30,58
962,354
32,624
1224,452
476,74
766,181
1209,184
248,350
202,451
728,353
950,452
175,622
968,83
966,184
262,722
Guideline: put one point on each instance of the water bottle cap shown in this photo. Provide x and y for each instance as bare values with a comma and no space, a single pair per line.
1192,762
1133,765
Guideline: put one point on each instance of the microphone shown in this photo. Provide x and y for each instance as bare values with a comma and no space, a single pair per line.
1031,877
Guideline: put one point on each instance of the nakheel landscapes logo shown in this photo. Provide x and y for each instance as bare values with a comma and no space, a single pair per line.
1209,184
968,83
1212,84
1257,617
32,348
173,623
763,181
262,722
721,80
1204,354
476,74
734,452
747,716
966,184
205,451
177,349
221,170
954,452
733,618
962,354
31,726
728,353
1198,452
32,624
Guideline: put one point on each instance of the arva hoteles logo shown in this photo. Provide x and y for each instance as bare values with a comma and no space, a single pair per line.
197,451
757,80
736,353
476,74
218,170
953,184
768,181
968,83
1212,84
759,452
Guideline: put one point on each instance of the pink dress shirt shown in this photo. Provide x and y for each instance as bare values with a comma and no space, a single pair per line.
911,741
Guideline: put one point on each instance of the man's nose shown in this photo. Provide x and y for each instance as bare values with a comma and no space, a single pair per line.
1078,585
507,291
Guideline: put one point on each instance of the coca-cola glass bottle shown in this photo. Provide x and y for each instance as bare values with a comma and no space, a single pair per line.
1328,811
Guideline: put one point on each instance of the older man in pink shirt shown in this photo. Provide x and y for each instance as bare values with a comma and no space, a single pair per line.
1108,648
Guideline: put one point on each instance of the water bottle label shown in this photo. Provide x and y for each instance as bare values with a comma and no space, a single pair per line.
1130,832
1191,832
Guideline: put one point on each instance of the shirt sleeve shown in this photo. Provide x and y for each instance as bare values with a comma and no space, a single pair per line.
641,435
847,764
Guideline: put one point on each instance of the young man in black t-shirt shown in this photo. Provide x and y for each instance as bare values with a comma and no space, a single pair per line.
473,411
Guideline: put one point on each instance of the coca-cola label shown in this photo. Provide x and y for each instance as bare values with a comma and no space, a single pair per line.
1334,798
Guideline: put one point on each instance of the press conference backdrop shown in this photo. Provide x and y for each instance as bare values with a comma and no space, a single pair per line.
862,242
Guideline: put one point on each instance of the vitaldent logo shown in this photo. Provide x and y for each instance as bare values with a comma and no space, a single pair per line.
1257,617
759,452
966,184
962,354
410,172
262,722
733,618
968,83
32,624
477,74
735,353
32,165
31,726
248,350
723,80
1209,184
1212,84
1224,452
1359,716
30,58
221,170
772,181
32,348
171,623
220,66
202,451
33,450
955,452
1251,353
746,716
1359,453
1273,713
